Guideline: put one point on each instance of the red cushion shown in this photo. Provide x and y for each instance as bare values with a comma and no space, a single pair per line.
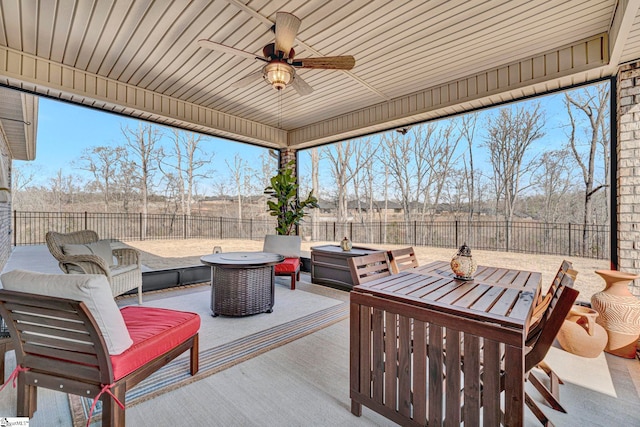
154,331
289,265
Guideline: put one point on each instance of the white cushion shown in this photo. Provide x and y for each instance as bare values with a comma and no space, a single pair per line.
102,248
92,289
287,246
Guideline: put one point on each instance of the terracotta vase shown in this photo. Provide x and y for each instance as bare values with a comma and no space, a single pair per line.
619,312
580,334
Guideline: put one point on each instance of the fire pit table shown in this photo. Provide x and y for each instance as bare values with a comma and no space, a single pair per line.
242,283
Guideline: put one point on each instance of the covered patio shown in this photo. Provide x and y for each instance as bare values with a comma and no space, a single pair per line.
290,367
414,62
179,65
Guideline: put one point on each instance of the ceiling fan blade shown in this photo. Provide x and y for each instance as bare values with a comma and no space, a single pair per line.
301,86
326,62
287,26
207,44
245,81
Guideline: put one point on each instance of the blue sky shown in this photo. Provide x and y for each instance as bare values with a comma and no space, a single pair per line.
65,130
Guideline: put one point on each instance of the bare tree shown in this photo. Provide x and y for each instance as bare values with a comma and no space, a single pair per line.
404,155
510,135
339,155
22,177
185,162
315,187
509,138
240,172
102,162
346,159
440,156
468,130
63,188
144,154
127,185
361,170
592,105
554,180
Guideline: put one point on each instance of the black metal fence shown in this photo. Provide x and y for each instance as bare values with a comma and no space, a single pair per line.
591,241
29,228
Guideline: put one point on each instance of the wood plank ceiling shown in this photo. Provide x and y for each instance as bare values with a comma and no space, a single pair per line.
415,60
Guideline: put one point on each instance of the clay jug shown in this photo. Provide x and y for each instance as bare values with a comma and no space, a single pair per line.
580,334
619,312
346,244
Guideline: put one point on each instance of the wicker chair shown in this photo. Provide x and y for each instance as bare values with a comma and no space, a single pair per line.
124,276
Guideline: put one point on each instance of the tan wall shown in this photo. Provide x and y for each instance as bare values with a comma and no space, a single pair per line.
5,203
628,173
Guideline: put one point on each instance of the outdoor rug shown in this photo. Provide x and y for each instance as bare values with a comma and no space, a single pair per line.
225,341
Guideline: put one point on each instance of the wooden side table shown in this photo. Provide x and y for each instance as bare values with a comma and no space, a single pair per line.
330,265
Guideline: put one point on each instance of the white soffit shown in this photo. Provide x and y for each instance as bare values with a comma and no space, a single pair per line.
415,60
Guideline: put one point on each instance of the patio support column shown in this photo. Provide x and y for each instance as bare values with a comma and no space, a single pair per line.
627,176
287,155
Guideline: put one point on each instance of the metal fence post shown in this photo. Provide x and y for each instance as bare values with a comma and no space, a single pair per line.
15,228
85,221
456,225
570,243
506,242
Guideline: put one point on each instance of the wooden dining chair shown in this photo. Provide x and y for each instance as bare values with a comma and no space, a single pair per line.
566,276
551,320
402,259
369,267
566,268
559,306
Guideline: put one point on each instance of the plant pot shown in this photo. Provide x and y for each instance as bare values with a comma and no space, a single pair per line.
580,334
619,312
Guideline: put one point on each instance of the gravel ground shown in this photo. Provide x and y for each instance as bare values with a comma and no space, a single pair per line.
178,253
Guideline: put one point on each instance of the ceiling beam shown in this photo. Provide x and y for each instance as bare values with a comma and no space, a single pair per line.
621,24
576,63
42,76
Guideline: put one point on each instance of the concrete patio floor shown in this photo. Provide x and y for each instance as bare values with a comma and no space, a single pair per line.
306,382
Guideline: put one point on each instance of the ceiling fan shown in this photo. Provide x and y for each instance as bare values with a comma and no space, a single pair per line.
280,58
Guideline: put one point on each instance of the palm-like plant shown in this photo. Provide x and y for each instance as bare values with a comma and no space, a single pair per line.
285,204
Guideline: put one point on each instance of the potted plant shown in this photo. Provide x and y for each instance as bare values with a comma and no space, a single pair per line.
285,204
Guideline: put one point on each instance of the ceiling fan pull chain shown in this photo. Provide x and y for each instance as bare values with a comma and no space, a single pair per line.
279,109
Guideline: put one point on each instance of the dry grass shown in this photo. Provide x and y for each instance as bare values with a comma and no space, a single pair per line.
178,253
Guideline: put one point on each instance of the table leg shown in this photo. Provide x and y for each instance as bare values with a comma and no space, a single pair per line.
213,292
514,385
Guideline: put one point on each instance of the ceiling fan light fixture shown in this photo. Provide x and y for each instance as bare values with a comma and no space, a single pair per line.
278,74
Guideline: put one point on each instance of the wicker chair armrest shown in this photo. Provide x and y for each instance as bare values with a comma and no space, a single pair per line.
127,256
90,264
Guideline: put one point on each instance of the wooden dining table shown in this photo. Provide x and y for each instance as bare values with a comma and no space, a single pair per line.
427,348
